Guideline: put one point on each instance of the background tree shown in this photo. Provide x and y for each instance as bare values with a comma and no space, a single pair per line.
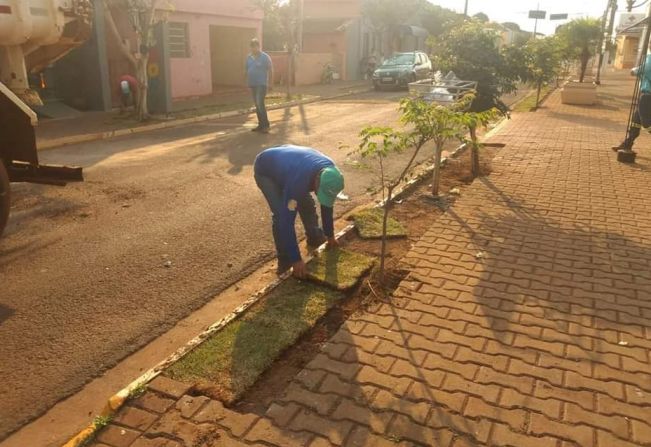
423,123
438,20
580,38
386,17
283,19
274,24
143,17
472,52
482,17
543,62
512,26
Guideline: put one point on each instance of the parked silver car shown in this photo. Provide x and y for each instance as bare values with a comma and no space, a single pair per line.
402,68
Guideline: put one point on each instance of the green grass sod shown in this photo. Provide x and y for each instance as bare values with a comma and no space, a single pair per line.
338,268
231,360
369,225
529,102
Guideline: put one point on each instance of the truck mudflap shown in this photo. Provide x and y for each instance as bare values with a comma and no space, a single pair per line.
43,174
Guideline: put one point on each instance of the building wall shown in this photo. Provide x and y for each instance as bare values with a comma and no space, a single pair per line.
626,55
195,75
310,66
334,43
323,9
353,54
225,8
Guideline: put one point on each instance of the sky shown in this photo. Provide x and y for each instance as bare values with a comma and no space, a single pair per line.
517,10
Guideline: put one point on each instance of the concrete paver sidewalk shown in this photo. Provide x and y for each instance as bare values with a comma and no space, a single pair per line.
525,320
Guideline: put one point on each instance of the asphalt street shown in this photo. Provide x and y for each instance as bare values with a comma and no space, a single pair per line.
164,221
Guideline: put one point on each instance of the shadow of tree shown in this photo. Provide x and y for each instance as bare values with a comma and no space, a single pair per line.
5,313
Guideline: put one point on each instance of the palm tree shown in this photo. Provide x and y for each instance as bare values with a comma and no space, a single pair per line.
581,37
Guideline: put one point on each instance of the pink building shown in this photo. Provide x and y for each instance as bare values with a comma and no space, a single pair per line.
200,49
209,42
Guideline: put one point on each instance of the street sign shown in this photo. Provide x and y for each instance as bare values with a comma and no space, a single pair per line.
534,14
558,16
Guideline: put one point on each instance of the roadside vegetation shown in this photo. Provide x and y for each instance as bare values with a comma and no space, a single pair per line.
231,361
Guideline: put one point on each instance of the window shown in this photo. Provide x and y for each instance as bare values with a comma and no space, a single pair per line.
178,40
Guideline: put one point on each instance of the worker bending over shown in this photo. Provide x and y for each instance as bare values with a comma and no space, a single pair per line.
287,175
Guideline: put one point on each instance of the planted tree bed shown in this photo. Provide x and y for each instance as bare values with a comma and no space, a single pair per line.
339,269
368,224
230,361
416,212
251,361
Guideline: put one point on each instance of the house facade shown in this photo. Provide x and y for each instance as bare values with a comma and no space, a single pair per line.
628,39
201,46
208,42
339,27
335,27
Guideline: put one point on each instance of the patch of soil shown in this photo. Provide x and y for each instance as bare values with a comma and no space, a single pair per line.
416,211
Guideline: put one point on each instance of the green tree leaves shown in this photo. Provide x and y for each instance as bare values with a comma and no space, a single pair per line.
580,38
472,51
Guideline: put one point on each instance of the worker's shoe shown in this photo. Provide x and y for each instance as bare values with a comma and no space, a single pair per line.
621,147
313,244
282,268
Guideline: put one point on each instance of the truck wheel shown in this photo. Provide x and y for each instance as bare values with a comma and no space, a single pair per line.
4,197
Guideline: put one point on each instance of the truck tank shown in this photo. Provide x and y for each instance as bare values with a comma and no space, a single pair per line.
35,34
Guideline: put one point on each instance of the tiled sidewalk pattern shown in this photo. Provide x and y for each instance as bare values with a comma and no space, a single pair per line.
525,320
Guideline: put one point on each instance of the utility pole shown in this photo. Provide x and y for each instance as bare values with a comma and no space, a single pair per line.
646,37
607,33
299,26
628,155
537,14
465,9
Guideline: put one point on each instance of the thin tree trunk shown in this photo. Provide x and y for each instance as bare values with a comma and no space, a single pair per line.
124,49
387,200
585,58
143,84
139,64
538,94
474,152
436,176
385,220
290,73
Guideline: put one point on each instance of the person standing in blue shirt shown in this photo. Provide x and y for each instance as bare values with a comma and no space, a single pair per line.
642,116
259,76
287,175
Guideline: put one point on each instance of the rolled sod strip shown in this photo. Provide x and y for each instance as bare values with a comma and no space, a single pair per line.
230,361
339,269
369,225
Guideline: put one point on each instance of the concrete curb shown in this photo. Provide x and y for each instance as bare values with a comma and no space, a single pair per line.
96,136
116,401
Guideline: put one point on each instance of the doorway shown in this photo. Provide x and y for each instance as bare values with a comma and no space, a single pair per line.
229,46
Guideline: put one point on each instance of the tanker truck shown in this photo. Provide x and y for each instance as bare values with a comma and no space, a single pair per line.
33,35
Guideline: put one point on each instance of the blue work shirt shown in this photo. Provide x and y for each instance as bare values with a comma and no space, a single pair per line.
293,168
645,86
257,69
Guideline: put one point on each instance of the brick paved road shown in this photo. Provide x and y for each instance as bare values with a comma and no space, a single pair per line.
525,320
